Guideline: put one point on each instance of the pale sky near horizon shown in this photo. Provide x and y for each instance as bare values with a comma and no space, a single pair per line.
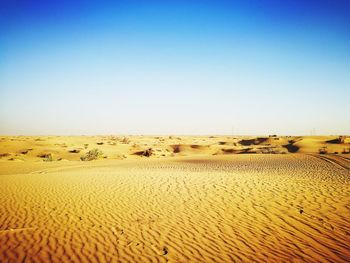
174,67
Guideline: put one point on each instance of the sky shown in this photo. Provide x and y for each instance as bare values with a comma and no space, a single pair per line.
174,67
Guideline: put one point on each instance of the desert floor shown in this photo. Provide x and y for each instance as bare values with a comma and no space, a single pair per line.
174,199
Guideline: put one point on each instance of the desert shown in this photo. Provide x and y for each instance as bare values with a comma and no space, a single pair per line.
174,198
174,131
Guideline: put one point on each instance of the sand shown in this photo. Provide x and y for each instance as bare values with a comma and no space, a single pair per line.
189,201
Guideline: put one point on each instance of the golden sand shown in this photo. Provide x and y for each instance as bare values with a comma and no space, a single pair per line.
190,201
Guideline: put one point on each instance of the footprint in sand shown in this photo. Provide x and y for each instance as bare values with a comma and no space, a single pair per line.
165,251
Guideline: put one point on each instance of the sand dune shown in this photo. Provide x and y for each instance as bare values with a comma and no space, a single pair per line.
57,148
186,206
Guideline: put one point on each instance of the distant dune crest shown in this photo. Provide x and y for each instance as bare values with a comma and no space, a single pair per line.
87,148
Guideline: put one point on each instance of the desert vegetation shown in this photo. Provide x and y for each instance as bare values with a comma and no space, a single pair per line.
93,154
323,150
46,157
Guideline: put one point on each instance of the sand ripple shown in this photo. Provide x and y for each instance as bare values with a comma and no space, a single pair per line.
251,208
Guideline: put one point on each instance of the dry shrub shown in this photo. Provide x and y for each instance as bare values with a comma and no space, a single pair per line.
146,153
93,154
47,157
323,150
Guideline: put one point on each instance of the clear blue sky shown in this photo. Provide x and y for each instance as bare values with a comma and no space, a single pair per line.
174,67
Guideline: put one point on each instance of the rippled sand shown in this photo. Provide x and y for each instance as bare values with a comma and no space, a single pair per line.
288,207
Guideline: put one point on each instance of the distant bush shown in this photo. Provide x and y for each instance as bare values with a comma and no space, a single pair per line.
47,157
339,140
323,150
4,154
342,139
176,148
125,140
93,154
146,153
74,151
